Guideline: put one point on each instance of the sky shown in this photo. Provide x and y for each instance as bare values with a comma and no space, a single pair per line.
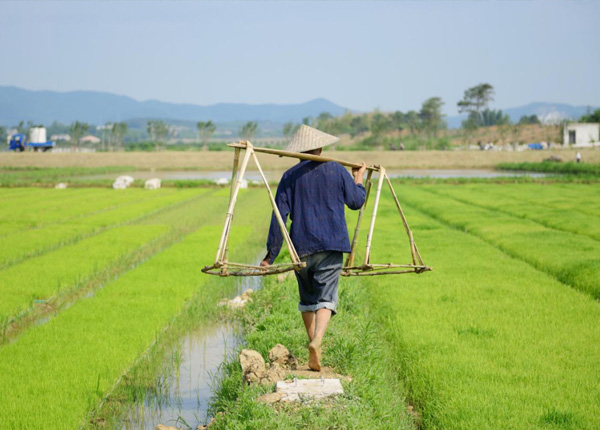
389,55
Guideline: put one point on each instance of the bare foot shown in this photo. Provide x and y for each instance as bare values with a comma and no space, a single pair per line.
314,356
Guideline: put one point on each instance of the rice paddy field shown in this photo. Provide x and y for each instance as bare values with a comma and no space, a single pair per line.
97,284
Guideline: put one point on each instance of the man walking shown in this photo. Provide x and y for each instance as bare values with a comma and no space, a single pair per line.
314,194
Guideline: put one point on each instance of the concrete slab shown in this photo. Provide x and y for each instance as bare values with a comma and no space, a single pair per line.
299,389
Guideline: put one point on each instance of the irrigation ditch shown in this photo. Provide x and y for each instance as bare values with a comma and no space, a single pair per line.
173,383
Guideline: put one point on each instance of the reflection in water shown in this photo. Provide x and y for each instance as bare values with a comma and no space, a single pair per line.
182,398
189,386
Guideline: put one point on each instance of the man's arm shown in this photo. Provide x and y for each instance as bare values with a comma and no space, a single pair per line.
275,238
354,192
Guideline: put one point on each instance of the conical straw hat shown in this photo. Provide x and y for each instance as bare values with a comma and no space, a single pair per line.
308,138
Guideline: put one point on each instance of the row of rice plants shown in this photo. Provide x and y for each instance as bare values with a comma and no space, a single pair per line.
23,206
41,278
175,221
21,216
488,197
572,258
36,241
570,167
581,198
57,373
485,341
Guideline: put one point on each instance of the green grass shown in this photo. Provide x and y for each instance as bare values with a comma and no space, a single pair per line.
71,266
572,258
513,201
58,372
493,338
74,226
374,397
486,341
76,358
569,168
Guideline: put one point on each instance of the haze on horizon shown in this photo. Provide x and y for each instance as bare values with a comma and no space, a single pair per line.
361,55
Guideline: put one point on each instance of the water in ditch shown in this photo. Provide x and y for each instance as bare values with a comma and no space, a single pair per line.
190,384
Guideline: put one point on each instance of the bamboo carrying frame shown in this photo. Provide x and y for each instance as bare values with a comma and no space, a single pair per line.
223,267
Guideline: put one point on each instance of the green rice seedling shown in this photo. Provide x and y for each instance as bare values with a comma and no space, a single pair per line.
56,373
42,277
556,218
353,346
58,210
569,168
485,341
573,259
18,246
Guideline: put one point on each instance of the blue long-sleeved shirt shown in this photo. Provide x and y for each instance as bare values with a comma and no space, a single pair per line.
313,194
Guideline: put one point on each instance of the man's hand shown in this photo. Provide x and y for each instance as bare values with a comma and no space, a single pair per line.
265,261
358,173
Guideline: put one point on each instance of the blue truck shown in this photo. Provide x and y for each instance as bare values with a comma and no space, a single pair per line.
37,141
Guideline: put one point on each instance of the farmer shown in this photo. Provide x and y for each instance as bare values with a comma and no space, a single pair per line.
313,194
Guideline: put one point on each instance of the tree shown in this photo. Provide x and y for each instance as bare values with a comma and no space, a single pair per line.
379,125
248,130
289,129
77,130
358,124
591,116
21,129
431,116
494,117
412,121
529,119
475,99
158,132
398,120
2,134
323,122
205,131
307,120
117,133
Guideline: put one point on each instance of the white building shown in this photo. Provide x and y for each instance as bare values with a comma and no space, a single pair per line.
581,134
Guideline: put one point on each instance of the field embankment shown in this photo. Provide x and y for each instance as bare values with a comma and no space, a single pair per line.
221,160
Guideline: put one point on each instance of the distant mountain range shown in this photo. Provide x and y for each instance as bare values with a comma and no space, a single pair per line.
45,107
548,113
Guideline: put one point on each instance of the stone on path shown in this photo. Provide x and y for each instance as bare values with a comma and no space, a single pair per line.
299,389
270,398
281,355
253,366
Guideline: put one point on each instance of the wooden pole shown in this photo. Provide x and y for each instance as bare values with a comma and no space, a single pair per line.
374,215
234,171
293,254
300,155
413,250
232,200
350,259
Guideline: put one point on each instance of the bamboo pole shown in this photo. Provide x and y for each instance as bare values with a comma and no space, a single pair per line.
413,250
234,171
293,254
350,259
374,215
300,155
232,200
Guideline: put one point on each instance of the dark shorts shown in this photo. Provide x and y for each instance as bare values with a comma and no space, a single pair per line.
318,281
